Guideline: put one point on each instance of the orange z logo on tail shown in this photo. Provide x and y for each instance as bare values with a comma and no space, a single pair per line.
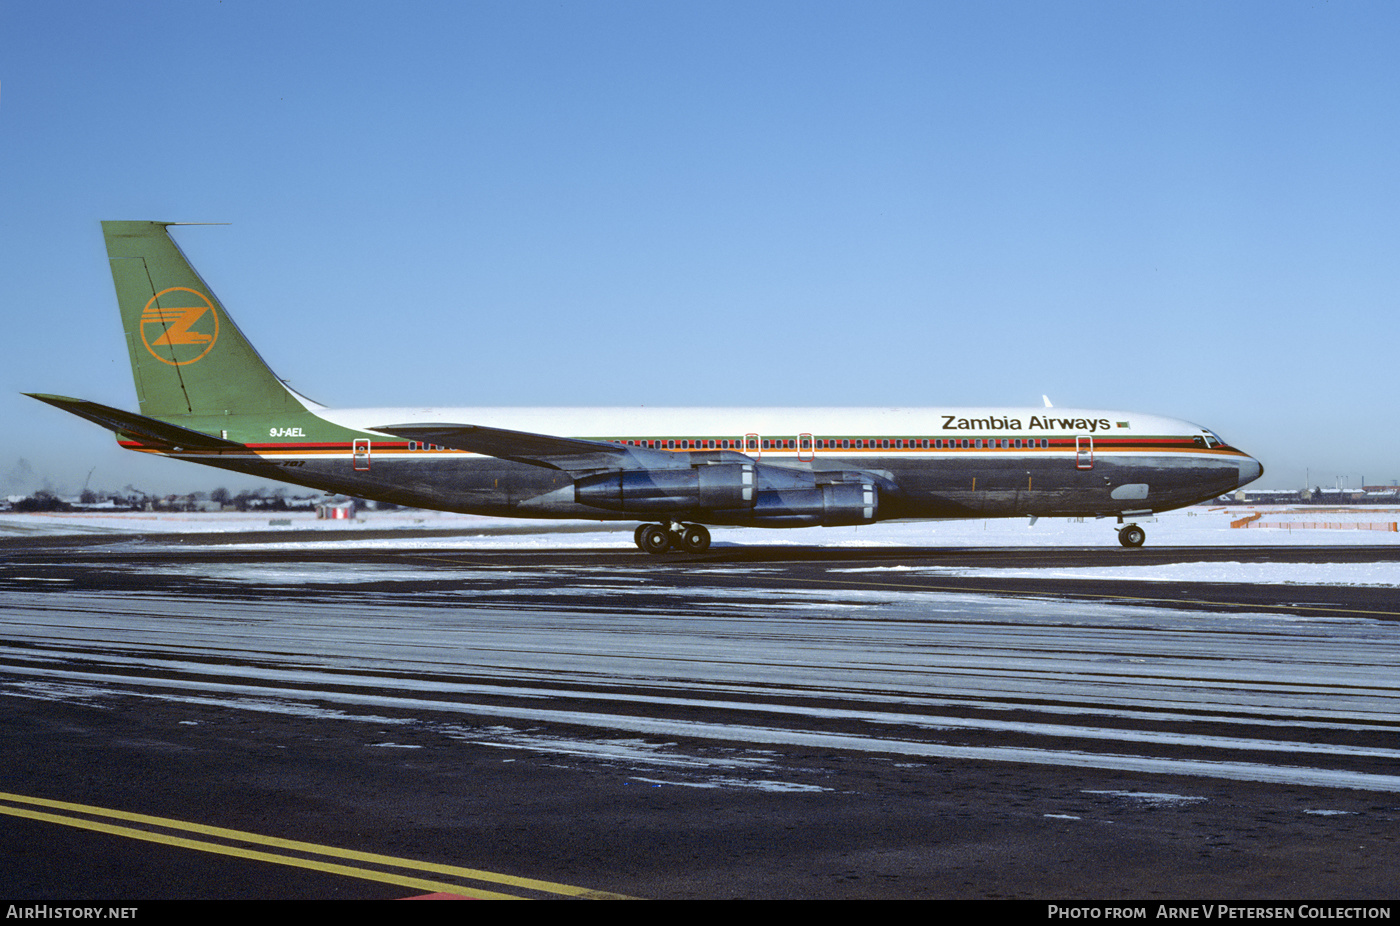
183,333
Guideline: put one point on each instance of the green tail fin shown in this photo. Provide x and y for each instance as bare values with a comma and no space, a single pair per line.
187,355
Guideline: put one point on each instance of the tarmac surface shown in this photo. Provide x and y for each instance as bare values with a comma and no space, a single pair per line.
196,719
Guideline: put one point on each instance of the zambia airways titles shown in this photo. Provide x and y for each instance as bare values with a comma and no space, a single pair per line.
1036,423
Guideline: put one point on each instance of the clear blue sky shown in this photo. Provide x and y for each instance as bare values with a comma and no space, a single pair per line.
1190,209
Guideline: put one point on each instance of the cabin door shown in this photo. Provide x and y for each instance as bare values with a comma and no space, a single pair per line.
360,454
1084,452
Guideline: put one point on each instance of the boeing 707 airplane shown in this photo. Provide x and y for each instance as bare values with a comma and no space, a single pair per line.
207,397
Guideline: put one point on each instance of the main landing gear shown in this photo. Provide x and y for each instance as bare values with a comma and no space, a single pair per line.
673,535
1130,535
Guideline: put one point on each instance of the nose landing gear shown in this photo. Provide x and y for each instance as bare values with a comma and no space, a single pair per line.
683,538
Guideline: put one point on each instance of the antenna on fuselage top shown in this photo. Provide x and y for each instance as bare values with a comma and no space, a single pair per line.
1046,400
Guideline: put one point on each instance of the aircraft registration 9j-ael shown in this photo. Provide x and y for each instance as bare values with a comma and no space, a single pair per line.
206,396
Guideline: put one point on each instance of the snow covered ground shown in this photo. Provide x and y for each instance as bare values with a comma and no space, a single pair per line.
1264,697
1190,527
921,674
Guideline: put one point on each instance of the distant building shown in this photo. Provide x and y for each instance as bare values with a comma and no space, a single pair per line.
336,510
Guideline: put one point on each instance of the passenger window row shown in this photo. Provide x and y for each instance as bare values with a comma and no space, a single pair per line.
845,443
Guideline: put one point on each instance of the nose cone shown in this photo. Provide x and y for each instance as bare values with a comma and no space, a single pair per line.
1250,470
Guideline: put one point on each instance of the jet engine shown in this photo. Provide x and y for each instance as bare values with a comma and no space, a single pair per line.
662,491
736,493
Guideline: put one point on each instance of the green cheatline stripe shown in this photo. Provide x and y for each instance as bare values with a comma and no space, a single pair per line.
549,887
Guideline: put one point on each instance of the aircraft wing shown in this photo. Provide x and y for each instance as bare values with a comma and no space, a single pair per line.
138,426
565,453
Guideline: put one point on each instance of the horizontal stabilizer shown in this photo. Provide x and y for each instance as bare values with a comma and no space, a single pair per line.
565,453
138,426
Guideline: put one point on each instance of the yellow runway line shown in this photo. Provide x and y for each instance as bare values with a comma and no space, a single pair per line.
473,874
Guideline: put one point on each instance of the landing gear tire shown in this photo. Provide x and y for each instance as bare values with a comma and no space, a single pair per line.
653,538
695,539
1132,536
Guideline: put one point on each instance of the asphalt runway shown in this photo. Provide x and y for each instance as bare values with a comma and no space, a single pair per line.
205,719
